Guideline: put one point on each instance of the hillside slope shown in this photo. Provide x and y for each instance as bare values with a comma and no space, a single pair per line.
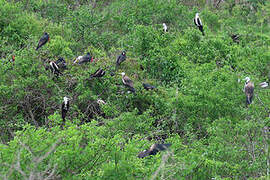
198,105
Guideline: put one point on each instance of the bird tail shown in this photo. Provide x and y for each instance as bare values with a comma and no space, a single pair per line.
132,89
37,48
248,100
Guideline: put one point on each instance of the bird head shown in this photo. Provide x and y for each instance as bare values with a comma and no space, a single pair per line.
164,24
61,59
197,14
122,73
247,79
45,33
124,53
66,99
88,53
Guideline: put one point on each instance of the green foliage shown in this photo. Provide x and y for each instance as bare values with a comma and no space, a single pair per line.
198,105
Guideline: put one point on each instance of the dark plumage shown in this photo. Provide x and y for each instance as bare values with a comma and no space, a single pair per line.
61,63
198,23
148,86
84,59
99,73
121,58
65,108
54,68
43,40
235,38
153,150
128,82
249,89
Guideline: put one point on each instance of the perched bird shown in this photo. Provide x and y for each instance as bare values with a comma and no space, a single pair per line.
84,59
54,68
235,38
43,40
65,108
99,73
100,101
127,82
198,23
264,84
148,86
165,28
122,57
154,149
249,89
61,63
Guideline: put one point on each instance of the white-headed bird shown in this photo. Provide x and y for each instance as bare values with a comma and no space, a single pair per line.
249,89
127,82
198,23
65,108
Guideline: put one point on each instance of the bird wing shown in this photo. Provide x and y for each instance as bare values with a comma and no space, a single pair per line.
43,40
128,81
249,89
199,21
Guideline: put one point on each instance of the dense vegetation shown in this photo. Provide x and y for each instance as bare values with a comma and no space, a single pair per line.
198,106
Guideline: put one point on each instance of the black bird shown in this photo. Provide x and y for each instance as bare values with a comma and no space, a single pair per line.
198,23
65,108
121,58
61,63
235,38
54,68
84,59
154,149
128,82
148,86
99,73
43,40
249,89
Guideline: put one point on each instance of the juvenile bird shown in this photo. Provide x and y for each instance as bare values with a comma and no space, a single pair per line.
65,108
249,89
198,23
127,82
84,59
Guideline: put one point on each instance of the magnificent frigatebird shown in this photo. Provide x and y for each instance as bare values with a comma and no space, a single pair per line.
165,28
153,150
43,40
127,82
122,57
235,38
84,59
65,108
264,84
249,89
54,68
61,63
99,73
198,23
148,86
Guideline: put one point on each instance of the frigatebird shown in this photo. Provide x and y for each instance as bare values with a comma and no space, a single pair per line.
121,58
249,89
127,82
65,108
198,23
43,40
84,59
153,150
